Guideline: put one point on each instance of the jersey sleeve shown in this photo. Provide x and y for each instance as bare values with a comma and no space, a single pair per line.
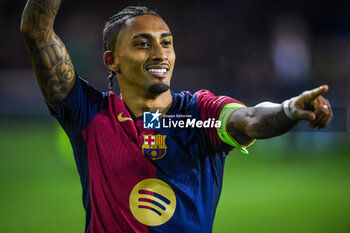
79,107
218,108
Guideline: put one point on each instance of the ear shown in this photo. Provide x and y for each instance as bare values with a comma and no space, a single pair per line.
111,61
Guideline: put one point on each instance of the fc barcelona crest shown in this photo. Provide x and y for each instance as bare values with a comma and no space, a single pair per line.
154,146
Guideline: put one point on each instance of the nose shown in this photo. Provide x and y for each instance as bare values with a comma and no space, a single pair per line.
159,53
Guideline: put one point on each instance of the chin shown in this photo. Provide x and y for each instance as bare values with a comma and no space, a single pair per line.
158,88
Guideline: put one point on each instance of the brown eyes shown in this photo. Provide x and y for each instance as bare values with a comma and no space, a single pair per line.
146,44
143,44
166,43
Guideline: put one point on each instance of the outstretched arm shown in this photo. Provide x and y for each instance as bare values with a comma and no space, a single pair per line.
52,64
268,119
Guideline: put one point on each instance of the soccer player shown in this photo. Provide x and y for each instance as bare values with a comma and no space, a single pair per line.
149,160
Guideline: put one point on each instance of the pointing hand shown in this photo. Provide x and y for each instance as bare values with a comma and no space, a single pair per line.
313,107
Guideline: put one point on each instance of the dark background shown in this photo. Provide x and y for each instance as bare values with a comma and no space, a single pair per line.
250,50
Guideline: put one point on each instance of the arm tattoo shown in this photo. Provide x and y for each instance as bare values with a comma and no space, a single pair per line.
269,122
38,17
259,122
52,64
49,7
54,70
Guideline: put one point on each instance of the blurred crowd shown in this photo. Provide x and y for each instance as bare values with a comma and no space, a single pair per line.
250,50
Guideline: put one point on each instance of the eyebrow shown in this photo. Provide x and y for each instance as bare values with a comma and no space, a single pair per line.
149,36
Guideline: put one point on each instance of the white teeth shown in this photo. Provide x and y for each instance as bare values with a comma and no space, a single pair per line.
159,71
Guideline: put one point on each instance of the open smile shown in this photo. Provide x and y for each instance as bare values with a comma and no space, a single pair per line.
159,71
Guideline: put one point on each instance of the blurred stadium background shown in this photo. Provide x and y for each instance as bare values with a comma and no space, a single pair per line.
250,50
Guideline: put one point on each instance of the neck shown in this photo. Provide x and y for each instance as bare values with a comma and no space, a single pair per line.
138,104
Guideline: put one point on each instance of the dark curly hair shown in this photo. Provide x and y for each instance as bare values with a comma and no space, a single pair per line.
115,23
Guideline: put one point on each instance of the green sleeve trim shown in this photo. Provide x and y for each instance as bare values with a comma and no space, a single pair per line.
225,114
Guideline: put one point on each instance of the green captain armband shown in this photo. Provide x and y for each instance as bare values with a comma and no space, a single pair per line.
225,114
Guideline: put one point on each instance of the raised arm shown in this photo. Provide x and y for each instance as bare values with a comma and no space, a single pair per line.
52,64
268,119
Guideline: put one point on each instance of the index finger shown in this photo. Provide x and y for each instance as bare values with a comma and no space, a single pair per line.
314,93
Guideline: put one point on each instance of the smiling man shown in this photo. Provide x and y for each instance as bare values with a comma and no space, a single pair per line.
140,52
137,175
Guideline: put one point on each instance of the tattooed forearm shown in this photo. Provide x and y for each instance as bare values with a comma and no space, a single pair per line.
49,7
265,120
51,61
270,122
38,18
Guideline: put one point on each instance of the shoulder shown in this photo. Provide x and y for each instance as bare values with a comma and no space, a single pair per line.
186,95
206,96
203,93
184,98
203,98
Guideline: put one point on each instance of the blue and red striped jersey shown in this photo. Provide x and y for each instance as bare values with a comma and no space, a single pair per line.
136,179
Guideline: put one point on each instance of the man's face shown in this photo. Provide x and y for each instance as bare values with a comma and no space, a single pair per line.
145,53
